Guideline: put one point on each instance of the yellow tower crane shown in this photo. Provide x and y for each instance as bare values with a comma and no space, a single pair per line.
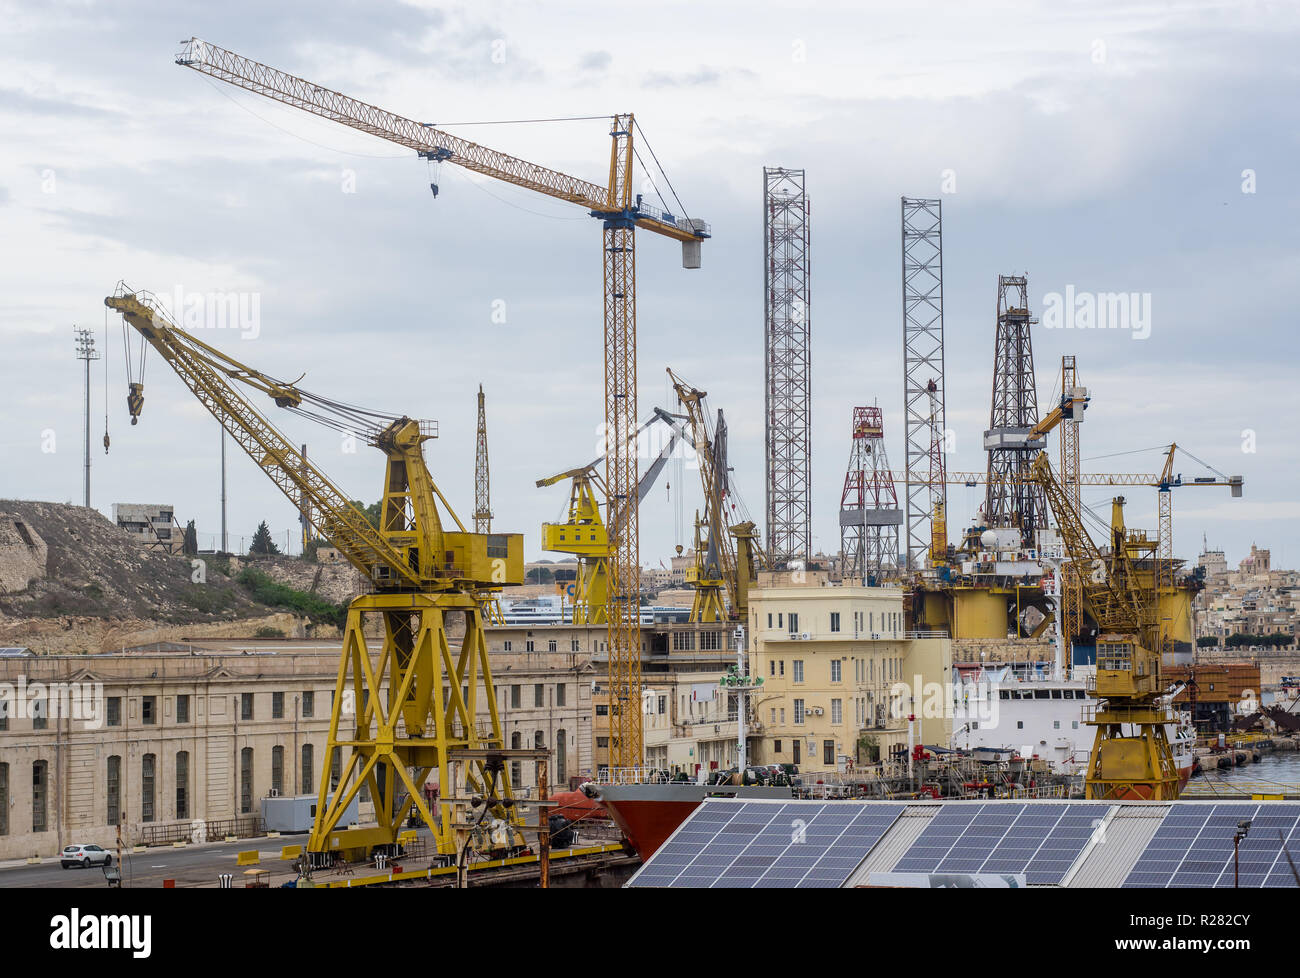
412,707
620,213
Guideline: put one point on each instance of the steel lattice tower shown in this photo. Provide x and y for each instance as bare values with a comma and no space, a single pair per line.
786,345
869,513
482,496
924,419
1012,499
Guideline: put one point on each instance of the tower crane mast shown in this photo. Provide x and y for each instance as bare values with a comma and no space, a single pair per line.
620,214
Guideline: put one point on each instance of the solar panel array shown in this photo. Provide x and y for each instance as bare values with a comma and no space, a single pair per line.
1040,841
752,844
1193,847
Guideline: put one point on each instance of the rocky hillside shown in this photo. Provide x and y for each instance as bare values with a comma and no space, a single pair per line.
71,564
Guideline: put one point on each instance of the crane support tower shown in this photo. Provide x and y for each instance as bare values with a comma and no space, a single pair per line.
1131,757
620,213
1011,500
787,348
405,711
869,513
924,423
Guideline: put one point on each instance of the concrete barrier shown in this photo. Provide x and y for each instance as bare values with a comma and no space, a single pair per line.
290,852
250,857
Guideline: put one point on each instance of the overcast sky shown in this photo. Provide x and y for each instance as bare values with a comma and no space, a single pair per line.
1095,147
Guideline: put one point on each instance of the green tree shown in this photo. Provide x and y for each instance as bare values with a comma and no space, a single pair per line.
1207,641
263,545
373,511
539,575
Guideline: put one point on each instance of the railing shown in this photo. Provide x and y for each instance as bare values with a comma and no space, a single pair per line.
928,633
164,833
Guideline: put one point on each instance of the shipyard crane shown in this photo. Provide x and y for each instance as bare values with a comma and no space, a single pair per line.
1131,757
585,534
620,214
413,708
720,562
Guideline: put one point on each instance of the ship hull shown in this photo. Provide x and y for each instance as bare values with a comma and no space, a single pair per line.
649,813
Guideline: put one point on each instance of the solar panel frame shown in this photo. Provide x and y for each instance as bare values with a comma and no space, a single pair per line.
760,845
1193,847
1043,842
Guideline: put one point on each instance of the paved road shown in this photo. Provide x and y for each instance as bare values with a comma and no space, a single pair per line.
189,867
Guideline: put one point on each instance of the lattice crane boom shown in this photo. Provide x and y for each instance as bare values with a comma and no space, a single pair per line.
620,214
211,375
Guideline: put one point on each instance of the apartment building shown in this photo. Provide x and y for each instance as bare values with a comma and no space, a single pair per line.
841,676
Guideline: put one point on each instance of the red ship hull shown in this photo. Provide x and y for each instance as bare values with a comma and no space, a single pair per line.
649,813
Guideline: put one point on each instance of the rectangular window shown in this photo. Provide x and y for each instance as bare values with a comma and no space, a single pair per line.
835,621
4,799
40,716
798,711
559,694
837,711
828,752
710,641
246,779
113,786
528,645
539,695
308,703
769,619
551,646
776,747
277,706
149,709
40,783
514,697
506,645
183,709
182,784
602,742
147,788
798,670
113,713
772,718
794,623
308,774
277,770
771,667
783,716
781,665
336,768
245,706
602,710
663,705
836,668
574,645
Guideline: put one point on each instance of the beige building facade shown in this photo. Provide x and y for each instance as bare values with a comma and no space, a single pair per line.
841,676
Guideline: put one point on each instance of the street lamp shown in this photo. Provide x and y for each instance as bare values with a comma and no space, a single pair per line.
1243,829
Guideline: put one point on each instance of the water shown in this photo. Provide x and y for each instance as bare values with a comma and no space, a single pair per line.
1280,768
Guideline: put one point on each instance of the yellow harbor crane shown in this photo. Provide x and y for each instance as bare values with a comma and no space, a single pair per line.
725,555
412,709
620,213
585,534
1131,757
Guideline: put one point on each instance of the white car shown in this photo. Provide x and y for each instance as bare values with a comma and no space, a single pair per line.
85,857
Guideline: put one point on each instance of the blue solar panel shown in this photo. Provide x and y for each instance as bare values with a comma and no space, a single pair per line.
753,844
1040,841
1193,847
